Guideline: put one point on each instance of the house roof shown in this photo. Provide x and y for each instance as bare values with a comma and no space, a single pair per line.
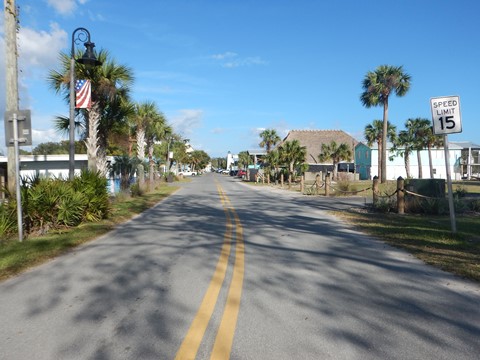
257,152
313,140
465,144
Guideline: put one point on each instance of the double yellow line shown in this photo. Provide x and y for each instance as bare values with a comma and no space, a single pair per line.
224,339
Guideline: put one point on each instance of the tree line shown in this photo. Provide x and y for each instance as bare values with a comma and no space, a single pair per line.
378,86
116,125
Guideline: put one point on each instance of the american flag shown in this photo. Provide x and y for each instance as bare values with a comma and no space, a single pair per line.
83,91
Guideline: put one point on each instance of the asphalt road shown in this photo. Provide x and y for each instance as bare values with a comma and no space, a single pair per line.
221,269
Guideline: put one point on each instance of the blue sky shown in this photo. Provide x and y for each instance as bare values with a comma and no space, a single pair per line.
224,70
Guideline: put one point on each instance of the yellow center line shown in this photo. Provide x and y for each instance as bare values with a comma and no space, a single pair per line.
224,340
191,343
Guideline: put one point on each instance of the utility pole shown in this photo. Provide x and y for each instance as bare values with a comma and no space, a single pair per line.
11,77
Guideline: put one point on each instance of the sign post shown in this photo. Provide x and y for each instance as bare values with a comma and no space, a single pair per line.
446,120
18,132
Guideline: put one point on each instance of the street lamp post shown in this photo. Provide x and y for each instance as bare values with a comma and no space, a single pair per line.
89,59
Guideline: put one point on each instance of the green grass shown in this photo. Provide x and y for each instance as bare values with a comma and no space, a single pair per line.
429,238
16,257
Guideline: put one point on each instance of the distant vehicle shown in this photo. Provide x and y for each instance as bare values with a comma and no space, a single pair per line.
187,173
233,172
241,173
225,172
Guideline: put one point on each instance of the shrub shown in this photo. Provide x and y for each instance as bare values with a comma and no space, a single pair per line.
71,208
135,190
343,187
40,203
51,202
94,187
430,206
385,205
8,223
474,205
459,192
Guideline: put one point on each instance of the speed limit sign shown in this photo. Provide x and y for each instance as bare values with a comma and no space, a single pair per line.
446,115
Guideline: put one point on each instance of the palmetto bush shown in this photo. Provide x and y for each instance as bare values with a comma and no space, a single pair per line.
8,224
94,187
52,203
40,202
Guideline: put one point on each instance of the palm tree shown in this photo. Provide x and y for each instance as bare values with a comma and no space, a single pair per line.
198,159
125,167
293,154
244,159
111,84
420,129
404,146
179,150
373,133
144,116
273,160
156,131
142,120
377,86
335,153
269,138
432,140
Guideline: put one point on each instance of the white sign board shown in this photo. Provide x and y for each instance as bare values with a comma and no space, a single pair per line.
446,115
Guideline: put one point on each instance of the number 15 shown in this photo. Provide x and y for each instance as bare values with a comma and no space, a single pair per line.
449,122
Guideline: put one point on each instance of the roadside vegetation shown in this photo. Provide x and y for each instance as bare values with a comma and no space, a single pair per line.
46,242
428,237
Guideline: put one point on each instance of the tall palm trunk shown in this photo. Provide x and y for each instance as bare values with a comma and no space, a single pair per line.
102,164
430,162
140,144
290,174
379,165
131,140
151,170
384,142
141,154
419,160
91,141
407,164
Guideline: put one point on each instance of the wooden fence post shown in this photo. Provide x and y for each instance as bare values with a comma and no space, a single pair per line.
327,184
317,184
400,195
375,190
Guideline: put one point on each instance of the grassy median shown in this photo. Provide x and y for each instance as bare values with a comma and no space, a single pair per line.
16,257
427,237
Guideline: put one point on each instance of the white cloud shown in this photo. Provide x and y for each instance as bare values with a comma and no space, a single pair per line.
43,136
64,7
40,48
226,55
231,59
186,121
249,61
95,17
